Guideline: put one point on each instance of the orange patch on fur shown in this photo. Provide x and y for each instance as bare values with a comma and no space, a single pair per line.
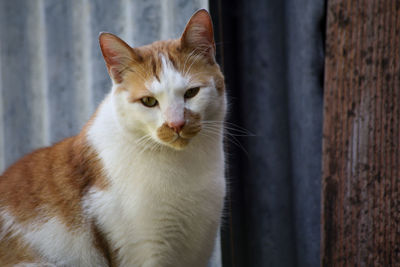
49,182
52,182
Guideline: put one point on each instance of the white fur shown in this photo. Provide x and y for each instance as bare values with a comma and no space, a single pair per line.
64,247
163,207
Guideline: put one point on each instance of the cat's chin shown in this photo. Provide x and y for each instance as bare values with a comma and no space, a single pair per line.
179,143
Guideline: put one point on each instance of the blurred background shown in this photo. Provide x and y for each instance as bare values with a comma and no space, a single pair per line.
52,77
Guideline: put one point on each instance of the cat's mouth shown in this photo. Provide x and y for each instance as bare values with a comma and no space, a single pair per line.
178,140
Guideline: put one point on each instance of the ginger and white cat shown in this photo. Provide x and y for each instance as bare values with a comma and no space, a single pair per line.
143,183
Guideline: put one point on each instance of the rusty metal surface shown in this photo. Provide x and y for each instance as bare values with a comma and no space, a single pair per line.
361,209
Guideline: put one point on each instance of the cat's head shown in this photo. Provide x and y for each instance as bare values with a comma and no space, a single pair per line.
169,89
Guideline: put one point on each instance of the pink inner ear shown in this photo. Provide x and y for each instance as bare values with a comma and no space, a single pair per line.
110,56
116,53
199,31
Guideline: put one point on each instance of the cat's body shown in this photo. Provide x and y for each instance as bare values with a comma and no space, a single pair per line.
140,185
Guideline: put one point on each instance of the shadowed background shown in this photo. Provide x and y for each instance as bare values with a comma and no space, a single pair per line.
273,55
52,77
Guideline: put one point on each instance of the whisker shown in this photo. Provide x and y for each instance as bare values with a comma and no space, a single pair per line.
196,58
145,146
229,138
187,58
228,130
230,126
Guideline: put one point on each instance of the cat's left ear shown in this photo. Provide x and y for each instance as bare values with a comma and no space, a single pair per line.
117,54
199,34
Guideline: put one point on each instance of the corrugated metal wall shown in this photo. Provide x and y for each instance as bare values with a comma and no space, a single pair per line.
52,74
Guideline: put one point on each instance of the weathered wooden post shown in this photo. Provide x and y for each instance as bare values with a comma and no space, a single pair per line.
361,178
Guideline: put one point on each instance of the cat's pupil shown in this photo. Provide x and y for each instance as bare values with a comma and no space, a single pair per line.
149,101
191,92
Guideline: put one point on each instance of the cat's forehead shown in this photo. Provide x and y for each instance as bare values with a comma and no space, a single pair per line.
162,56
168,79
164,66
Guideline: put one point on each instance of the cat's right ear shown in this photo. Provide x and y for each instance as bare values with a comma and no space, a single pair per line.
117,54
198,34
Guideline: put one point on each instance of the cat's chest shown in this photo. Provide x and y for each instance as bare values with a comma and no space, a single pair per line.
159,227
160,215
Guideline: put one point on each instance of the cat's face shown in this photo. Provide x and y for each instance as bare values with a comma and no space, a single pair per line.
166,91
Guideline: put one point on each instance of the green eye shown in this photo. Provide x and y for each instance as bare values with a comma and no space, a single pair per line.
192,92
149,101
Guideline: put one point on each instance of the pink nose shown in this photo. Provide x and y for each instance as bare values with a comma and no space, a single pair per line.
176,125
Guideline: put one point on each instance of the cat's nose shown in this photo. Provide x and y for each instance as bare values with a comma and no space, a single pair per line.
176,125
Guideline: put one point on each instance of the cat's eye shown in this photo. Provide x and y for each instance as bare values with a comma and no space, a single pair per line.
149,101
192,92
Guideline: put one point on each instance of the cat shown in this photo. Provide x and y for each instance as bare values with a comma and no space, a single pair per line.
143,183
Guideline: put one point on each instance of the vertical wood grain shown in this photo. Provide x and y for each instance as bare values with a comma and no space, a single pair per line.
360,210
